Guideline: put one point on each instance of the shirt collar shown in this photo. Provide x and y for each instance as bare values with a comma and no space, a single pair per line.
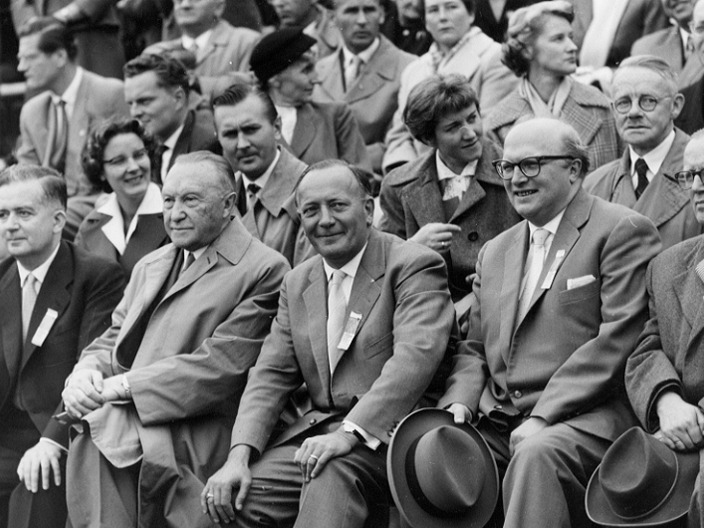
261,181
173,138
196,254
684,35
71,92
201,40
40,271
365,55
445,173
551,226
655,157
350,268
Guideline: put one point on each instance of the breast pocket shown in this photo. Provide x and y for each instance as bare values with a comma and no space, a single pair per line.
580,293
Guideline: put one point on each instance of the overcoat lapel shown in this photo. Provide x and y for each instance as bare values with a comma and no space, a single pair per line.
424,197
10,327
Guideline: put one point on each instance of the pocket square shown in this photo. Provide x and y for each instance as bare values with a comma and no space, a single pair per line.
580,281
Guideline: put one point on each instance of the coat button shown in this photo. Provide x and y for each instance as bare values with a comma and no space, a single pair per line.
517,394
313,421
473,236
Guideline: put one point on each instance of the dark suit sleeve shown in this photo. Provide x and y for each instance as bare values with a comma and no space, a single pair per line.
650,369
594,371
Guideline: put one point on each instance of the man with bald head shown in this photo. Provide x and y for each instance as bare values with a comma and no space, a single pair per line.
364,324
159,389
560,302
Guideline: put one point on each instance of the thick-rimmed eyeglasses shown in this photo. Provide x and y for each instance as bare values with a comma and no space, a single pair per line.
647,103
685,178
530,167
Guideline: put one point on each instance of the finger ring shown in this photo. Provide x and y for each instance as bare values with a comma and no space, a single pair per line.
315,457
444,244
210,496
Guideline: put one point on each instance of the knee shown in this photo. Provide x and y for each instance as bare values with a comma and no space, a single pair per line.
535,452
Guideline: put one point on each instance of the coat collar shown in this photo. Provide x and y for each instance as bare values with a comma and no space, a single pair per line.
281,183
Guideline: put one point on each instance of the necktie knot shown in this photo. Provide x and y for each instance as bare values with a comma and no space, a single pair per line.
253,188
337,277
540,236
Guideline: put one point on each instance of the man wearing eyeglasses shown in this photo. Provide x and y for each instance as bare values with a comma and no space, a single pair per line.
645,104
664,376
560,303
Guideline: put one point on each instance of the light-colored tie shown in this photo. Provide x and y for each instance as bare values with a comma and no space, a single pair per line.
337,306
700,270
29,299
57,139
689,47
534,265
352,71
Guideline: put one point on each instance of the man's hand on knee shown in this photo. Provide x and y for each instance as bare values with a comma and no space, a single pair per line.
82,393
681,423
315,452
216,497
528,428
39,462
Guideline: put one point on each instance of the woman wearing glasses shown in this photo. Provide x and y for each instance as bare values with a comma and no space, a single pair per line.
540,50
450,199
127,223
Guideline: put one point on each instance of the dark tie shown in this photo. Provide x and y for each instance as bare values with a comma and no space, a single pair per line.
57,141
252,190
641,170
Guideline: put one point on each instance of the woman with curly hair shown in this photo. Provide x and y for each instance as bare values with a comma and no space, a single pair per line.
127,223
539,49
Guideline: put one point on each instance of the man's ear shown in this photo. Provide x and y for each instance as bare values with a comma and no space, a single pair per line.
230,204
59,220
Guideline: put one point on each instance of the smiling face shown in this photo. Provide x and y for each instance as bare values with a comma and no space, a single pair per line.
553,51
458,138
359,22
127,168
694,160
30,224
197,206
335,214
447,21
541,198
158,108
294,86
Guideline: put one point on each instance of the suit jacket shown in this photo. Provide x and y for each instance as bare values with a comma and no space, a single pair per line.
411,198
273,217
198,134
691,117
372,97
663,201
400,291
585,108
187,375
228,51
83,289
641,17
665,43
564,360
670,348
98,99
328,131
479,60
148,236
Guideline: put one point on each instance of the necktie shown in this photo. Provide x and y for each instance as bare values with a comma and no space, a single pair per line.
641,170
165,160
337,306
189,260
352,71
57,140
534,265
252,190
689,47
700,270
29,299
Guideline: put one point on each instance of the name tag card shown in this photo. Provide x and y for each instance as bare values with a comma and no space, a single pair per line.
44,327
350,331
550,277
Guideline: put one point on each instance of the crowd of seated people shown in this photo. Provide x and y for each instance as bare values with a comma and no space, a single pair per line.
353,263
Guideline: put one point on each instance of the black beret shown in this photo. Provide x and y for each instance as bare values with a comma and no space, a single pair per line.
277,51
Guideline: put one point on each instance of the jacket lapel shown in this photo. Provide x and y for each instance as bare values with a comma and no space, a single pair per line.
622,191
424,197
183,142
485,174
689,289
305,130
376,74
80,119
315,300
10,328
147,236
330,73
514,261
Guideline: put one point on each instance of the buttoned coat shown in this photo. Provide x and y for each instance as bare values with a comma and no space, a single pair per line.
187,375
564,360
641,17
585,108
98,99
149,235
479,60
228,50
328,131
400,292
666,44
663,201
691,117
411,197
372,97
273,217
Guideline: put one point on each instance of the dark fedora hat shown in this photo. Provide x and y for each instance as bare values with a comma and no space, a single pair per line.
441,474
277,51
641,482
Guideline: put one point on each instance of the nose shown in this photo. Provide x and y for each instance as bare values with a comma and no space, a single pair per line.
242,142
517,177
468,131
697,184
571,46
326,219
314,79
132,165
442,13
361,18
635,109
22,65
177,211
135,110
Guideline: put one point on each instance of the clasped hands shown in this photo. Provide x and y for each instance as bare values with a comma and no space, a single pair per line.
681,423
87,391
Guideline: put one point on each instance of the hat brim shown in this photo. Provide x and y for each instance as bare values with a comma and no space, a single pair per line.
408,431
675,507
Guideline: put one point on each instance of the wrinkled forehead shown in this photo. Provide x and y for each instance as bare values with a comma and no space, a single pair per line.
637,80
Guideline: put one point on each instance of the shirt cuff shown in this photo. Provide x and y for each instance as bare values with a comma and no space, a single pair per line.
370,441
50,441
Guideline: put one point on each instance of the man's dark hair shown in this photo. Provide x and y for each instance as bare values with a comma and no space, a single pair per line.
169,71
51,181
54,36
238,92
